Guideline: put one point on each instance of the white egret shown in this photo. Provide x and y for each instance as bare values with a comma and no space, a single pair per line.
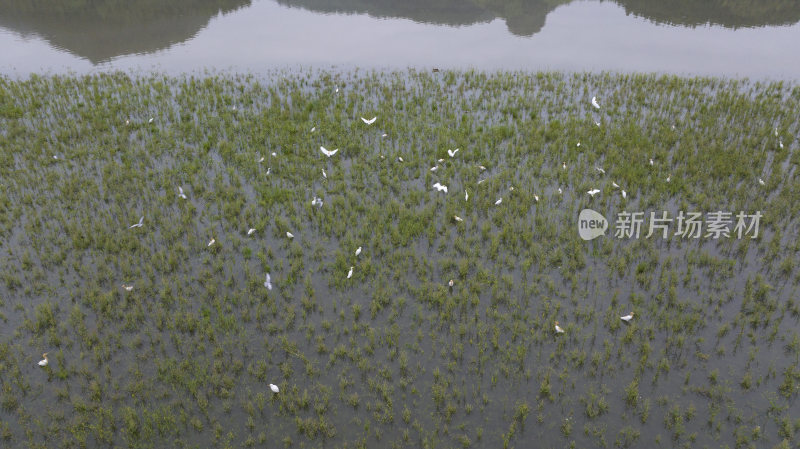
384,135
399,158
268,282
499,200
289,235
593,192
269,169
440,160
358,251
595,103
579,144
137,225
211,242
627,318
316,202
350,273
44,361
600,170
457,218
440,187
511,189
180,193
669,177
251,231
274,388
466,196
651,161
597,123
761,181
370,121
328,153
128,122
150,121
558,329
434,168
127,287
313,129
536,197
624,194
482,167
564,165
776,131
560,191
261,160
452,153
614,184
55,157
780,143
451,283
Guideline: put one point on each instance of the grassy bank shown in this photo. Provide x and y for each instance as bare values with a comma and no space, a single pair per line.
393,357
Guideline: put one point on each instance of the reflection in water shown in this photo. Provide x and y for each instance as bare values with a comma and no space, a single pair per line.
265,34
527,17
100,30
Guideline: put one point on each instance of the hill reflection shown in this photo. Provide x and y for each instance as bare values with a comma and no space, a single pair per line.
99,30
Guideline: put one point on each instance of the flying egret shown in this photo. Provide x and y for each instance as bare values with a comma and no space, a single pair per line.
350,273
251,231
328,153
180,193
358,251
499,200
466,196
595,103
268,282
289,235
440,187
44,361
452,153
211,242
600,170
274,388
593,192
627,318
457,218
624,194
137,225
127,287
761,181
558,329
370,121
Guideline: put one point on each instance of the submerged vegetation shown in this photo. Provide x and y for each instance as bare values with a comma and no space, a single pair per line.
393,356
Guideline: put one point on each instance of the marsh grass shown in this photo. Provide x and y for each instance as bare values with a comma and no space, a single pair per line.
392,357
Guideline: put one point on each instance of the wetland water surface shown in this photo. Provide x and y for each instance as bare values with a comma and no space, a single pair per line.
757,39
392,357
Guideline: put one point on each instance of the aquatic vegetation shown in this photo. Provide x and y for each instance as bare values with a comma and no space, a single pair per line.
393,355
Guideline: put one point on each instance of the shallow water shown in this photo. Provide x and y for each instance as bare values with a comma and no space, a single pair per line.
748,39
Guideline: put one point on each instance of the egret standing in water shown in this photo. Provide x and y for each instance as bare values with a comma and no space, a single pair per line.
44,361
358,251
289,235
274,388
558,329
251,231
268,283
350,273
627,318
595,103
